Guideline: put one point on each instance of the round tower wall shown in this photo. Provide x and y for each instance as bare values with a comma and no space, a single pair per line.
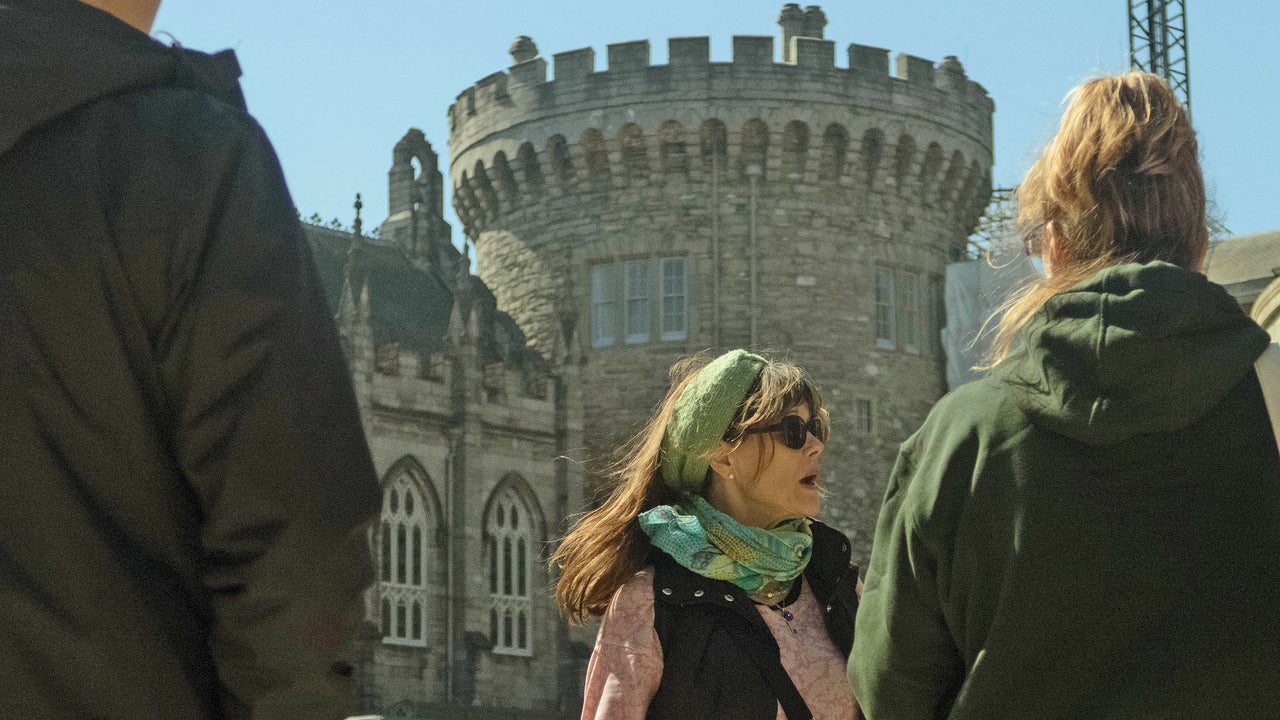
862,174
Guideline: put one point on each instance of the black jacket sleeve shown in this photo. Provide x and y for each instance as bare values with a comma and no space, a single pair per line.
267,431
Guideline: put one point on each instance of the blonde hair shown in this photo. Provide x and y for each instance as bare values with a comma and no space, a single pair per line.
607,547
1119,182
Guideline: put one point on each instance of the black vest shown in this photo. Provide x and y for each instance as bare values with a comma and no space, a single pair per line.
719,658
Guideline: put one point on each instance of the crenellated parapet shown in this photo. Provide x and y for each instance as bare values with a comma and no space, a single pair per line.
922,131
526,92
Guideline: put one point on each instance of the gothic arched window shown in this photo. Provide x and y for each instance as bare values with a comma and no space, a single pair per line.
402,562
510,549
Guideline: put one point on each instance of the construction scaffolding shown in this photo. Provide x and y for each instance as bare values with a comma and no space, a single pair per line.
1158,42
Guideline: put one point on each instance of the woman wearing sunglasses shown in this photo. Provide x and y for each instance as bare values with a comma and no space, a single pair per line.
721,596
1093,531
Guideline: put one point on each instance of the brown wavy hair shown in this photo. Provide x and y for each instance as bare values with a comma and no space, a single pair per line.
1119,182
607,546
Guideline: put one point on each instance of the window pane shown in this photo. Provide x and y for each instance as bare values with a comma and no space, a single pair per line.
637,301
520,569
862,416
493,566
401,613
506,629
493,624
515,518
604,304
408,503
401,554
909,311
506,566
386,552
673,299
416,557
417,620
522,636
395,501
386,617
886,332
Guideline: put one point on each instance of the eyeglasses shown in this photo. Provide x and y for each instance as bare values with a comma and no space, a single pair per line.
1033,241
794,431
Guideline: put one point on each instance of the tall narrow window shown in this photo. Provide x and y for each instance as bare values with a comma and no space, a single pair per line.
862,416
674,324
604,305
509,526
909,306
403,566
638,323
886,317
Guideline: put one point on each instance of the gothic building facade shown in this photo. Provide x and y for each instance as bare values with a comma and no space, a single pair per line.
471,431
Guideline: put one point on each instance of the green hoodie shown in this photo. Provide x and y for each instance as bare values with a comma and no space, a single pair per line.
1093,531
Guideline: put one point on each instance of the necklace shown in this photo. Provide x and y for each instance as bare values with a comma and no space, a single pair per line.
787,617
770,595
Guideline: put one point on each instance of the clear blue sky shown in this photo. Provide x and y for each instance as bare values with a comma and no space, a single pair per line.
337,83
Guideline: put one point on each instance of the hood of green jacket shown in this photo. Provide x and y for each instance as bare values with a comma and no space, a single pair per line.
57,55
1136,349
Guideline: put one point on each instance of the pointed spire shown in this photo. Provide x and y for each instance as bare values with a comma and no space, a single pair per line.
363,309
347,301
457,326
358,226
473,327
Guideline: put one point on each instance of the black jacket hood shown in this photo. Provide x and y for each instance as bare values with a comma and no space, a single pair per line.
57,55
1136,349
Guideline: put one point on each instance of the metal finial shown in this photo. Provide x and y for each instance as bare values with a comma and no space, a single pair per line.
358,226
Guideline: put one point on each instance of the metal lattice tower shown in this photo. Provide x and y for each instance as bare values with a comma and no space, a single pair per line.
1158,42
997,229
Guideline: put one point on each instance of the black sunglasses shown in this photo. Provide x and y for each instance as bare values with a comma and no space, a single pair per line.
794,431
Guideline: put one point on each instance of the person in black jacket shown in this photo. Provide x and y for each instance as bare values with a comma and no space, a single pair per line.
184,481
721,596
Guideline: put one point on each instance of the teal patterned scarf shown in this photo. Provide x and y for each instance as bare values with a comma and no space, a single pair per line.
714,545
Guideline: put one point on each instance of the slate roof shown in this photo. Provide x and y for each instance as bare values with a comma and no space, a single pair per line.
410,304
1243,259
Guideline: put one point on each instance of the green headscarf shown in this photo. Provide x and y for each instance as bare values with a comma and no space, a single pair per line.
702,415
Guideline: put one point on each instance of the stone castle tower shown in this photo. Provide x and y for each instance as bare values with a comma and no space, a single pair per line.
645,212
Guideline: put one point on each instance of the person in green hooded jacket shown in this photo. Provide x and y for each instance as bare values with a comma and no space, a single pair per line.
1093,530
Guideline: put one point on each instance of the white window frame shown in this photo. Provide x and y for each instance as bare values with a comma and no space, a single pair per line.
886,302
669,296
402,572
910,303
634,296
637,293
604,305
510,531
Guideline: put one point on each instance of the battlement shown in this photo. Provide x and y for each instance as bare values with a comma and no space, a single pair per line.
414,380
525,92
810,121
